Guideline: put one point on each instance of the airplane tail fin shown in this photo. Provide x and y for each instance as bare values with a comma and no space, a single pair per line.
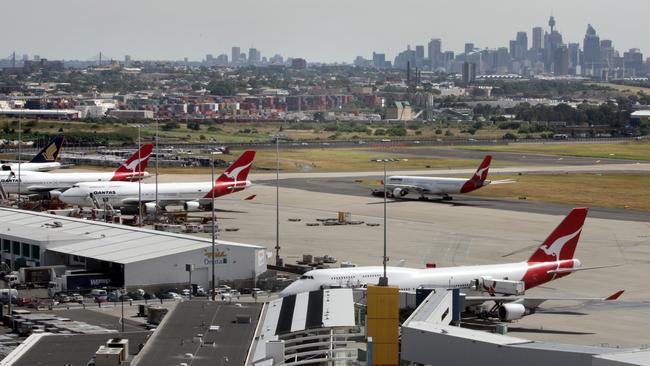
134,167
50,152
478,179
238,171
563,241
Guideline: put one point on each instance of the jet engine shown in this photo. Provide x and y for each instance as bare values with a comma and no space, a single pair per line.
150,207
191,206
398,192
509,312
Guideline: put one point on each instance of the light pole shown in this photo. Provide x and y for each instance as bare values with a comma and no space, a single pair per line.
20,143
277,137
213,228
156,169
383,281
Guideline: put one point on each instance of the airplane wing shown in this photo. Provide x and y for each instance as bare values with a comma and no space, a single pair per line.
534,302
44,189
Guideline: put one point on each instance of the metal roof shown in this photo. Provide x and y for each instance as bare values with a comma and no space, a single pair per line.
98,240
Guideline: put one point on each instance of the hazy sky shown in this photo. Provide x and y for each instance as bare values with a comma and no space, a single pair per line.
324,30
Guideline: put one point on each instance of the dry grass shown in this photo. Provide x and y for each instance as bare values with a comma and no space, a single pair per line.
638,150
603,190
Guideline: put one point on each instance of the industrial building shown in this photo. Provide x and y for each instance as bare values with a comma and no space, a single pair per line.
129,256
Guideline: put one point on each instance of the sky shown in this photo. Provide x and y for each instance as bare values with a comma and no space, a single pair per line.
319,31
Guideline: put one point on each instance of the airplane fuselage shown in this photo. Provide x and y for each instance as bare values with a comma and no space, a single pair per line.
34,167
409,279
35,182
120,194
434,186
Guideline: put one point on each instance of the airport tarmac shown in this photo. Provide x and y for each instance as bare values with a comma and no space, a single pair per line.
452,235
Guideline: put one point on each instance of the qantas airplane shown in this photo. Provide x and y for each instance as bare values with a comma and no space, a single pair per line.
552,260
193,196
44,161
53,183
400,186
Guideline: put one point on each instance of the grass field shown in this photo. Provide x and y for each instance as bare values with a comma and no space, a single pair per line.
626,150
618,190
625,88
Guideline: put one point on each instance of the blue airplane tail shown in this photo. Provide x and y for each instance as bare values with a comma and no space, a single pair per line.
50,152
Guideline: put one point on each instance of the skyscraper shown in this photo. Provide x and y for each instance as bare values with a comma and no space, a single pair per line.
522,42
419,56
591,52
254,56
561,60
469,48
435,53
538,32
469,72
235,55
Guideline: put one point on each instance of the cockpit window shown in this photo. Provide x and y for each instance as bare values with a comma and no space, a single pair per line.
306,277
75,186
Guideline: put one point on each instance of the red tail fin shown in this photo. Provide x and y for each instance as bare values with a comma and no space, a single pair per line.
562,242
135,166
478,179
238,171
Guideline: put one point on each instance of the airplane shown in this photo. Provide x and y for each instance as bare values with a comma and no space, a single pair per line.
193,196
552,260
53,184
44,161
400,186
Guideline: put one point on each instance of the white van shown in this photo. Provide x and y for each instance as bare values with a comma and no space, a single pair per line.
12,279
99,295
7,293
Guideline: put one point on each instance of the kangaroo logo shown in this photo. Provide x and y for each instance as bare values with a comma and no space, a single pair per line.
135,163
556,247
49,153
234,174
479,173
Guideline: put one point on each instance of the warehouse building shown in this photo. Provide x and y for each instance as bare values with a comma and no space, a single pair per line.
139,258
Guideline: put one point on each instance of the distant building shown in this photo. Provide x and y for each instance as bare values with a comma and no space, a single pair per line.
379,60
401,111
254,56
469,72
538,33
235,55
469,48
130,114
561,61
591,61
435,53
299,63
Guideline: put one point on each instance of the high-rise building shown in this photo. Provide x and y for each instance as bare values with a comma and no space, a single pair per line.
591,61
299,63
633,63
469,72
254,56
127,60
538,33
435,53
379,60
574,58
561,60
222,59
235,55
469,48
513,49
277,59
552,41
419,56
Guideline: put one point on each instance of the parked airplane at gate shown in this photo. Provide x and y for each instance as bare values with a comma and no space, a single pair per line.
44,161
400,186
552,260
53,183
193,196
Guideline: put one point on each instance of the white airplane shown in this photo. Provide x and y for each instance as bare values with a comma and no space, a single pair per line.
44,161
53,183
193,196
552,260
400,186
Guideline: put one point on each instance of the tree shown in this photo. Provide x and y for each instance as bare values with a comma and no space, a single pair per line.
171,125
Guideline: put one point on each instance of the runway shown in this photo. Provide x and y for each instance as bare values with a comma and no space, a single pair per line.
347,186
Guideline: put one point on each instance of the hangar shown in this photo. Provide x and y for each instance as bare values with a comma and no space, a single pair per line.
136,257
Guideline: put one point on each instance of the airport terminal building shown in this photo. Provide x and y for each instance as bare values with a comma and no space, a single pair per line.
136,257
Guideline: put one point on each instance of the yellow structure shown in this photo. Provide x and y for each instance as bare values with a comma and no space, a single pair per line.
383,324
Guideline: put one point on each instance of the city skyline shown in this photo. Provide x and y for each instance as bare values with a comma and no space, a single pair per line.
314,31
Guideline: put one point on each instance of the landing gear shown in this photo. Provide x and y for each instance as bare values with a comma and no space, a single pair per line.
447,197
423,198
